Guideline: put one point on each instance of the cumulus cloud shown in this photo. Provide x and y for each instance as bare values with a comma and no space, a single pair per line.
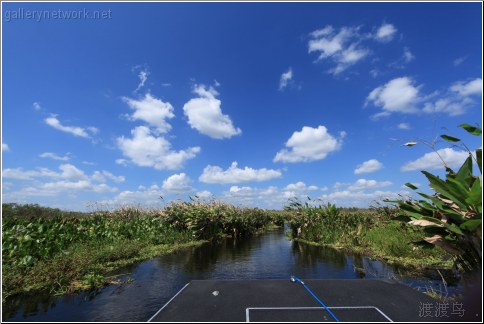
102,176
347,198
300,186
53,156
234,174
74,130
363,184
151,110
69,171
144,149
178,183
433,160
459,97
285,79
385,33
36,106
368,166
398,95
401,95
309,144
204,195
5,147
471,88
143,196
205,115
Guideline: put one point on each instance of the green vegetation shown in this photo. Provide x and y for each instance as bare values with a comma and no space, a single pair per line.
48,249
452,217
367,231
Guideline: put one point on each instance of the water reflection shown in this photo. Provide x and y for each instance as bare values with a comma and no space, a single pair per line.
268,256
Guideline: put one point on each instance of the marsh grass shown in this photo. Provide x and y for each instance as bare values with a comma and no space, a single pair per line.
61,252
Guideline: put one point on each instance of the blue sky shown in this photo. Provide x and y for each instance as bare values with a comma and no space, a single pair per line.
248,103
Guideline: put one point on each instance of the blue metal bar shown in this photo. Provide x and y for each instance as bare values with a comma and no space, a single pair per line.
296,280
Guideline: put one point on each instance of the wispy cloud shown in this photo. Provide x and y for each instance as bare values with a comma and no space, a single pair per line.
144,149
205,115
53,156
342,47
234,174
404,126
5,147
74,130
285,79
309,144
36,106
458,61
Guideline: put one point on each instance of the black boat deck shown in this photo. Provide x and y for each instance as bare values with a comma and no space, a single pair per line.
286,301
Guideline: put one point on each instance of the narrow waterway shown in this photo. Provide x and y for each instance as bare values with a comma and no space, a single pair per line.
267,256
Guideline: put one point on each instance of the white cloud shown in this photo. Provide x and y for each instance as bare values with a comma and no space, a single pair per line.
122,162
204,195
404,126
142,196
343,48
101,176
363,184
460,60
457,99
152,111
69,171
286,78
470,88
309,144
215,174
178,183
5,147
385,33
147,150
432,161
407,55
69,179
300,186
36,106
205,115
398,95
143,76
368,166
74,130
347,198
53,156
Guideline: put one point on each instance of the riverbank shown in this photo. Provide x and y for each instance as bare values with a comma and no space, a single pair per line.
368,232
46,249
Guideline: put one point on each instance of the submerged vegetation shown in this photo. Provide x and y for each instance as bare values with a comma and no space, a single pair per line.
48,249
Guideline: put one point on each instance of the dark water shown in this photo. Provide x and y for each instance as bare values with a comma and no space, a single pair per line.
268,256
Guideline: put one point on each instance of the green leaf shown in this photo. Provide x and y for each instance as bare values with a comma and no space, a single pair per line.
442,188
471,129
479,159
464,175
471,225
475,196
450,138
411,186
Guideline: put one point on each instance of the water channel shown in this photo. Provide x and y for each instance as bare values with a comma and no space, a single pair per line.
266,256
